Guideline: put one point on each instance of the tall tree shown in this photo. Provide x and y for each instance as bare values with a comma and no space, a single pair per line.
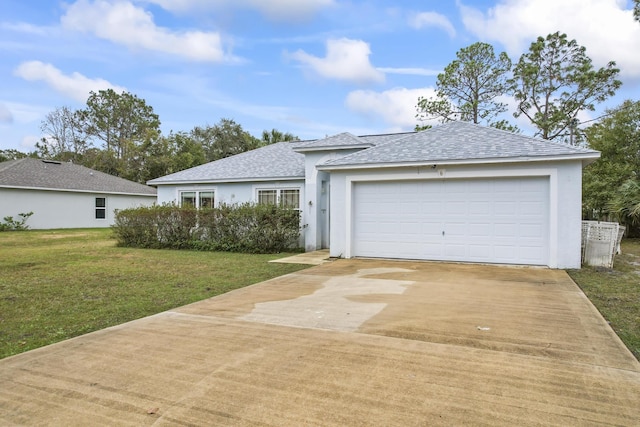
186,151
617,137
64,139
120,121
636,10
224,139
470,87
274,135
555,81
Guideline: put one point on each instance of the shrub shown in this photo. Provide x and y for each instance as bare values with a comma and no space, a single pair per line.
244,227
11,224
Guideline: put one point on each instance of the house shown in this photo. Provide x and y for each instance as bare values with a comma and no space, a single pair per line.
64,195
456,192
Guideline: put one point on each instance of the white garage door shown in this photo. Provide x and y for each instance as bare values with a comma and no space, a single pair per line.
479,220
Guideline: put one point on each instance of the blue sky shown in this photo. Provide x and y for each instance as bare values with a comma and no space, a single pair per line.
310,67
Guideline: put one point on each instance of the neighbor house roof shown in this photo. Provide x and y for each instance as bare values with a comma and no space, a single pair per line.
275,161
456,143
31,173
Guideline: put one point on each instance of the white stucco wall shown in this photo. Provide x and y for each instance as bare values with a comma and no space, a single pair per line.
60,209
235,192
565,180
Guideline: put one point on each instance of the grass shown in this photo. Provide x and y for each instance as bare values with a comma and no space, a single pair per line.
616,293
58,284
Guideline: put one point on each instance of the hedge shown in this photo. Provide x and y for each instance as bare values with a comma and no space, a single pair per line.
244,227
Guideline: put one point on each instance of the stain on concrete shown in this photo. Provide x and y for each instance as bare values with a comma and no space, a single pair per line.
331,307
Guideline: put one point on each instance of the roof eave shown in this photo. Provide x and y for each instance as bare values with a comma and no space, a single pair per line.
73,190
226,180
585,157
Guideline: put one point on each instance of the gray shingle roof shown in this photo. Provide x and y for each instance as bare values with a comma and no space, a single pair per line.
342,140
36,173
270,162
459,141
384,138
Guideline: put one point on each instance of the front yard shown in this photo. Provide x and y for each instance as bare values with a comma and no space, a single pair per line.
616,293
57,284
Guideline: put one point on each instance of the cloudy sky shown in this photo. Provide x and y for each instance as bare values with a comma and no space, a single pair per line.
310,67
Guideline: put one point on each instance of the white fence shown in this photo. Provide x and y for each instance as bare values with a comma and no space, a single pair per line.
600,242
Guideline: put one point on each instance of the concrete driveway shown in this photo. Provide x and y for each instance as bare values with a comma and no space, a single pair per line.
351,342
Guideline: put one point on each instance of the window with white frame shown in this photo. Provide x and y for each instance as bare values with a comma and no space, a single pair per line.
101,208
197,199
286,197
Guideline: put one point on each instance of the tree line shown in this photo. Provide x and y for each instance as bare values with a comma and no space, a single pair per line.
119,133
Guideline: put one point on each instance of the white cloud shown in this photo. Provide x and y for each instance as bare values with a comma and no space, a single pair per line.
75,85
397,107
605,28
346,60
29,142
277,10
122,22
432,19
410,71
5,114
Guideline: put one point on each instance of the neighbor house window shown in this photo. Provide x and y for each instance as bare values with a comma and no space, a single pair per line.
101,207
286,197
197,199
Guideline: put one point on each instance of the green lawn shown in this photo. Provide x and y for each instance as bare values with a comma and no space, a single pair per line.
57,284
616,293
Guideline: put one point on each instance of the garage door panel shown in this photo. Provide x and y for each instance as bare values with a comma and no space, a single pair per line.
483,220
428,250
453,251
531,230
480,229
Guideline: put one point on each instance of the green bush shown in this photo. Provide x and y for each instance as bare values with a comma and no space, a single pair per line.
11,224
247,227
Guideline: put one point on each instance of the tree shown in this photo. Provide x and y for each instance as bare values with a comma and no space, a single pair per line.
555,81
636,10
274,135
186,151
470,87
626,204
119,121
64,138
617,137
11,154
225,139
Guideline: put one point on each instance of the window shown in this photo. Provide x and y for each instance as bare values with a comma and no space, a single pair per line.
288,198
197,199
206,199
101,207
188,199
267,197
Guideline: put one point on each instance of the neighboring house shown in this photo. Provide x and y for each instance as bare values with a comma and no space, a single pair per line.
64,195
457,192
